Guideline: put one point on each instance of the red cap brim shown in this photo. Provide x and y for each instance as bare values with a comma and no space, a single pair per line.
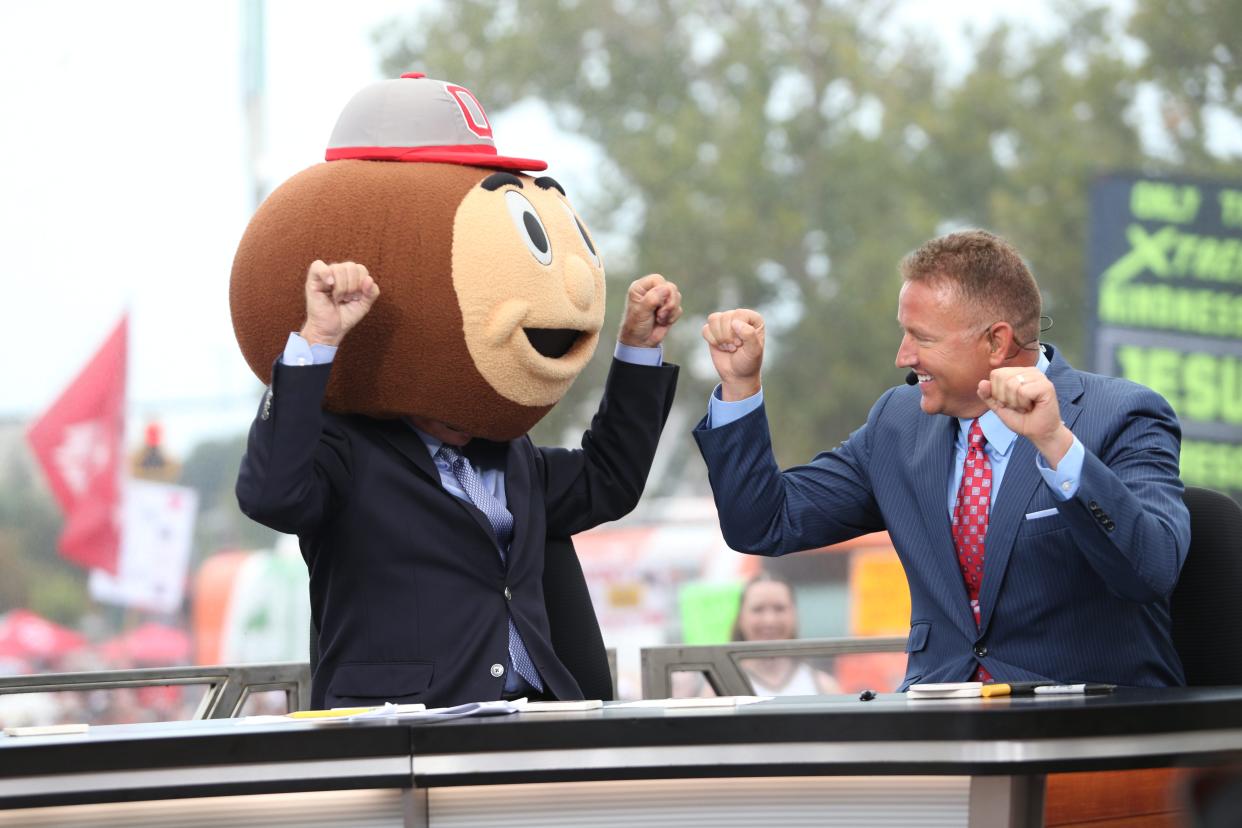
469,155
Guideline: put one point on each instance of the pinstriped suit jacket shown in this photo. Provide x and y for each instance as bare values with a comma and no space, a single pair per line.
1079,594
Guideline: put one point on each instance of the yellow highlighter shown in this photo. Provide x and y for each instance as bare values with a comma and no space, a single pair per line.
334,713
1014,688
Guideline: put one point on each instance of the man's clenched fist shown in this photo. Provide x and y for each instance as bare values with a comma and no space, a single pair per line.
337,297
652,305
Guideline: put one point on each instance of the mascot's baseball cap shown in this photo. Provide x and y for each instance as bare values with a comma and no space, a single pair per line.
416,118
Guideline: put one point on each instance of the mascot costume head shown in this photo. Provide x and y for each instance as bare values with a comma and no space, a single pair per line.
492,289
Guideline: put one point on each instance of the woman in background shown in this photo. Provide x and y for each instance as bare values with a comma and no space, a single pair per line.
767,612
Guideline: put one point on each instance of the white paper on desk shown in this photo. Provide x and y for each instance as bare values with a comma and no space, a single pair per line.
695,701
946,690
437,714
388,709
266,718
47,730
525,706
405,712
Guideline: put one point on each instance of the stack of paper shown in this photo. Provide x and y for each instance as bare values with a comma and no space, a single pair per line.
947,690
406,712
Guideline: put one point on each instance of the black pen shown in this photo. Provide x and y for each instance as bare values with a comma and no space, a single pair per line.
1030,688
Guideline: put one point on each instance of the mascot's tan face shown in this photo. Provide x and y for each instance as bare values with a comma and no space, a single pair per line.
492,294
530,286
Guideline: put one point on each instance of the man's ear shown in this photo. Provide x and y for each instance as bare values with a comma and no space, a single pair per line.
1000,343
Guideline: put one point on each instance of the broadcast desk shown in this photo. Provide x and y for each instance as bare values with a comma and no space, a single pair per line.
789,762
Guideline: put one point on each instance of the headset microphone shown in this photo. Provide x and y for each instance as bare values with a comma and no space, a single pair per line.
912,378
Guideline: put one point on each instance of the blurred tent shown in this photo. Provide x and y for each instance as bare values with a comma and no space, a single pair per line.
25,635
150,644
252,606
212,589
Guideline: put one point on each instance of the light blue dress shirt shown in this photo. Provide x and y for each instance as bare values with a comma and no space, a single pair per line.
1063,480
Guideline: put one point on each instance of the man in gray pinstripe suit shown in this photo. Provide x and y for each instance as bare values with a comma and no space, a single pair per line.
1085,532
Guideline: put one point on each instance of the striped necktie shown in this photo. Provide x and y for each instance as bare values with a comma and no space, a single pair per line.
502,525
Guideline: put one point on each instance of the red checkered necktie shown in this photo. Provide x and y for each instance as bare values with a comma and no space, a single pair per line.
970,521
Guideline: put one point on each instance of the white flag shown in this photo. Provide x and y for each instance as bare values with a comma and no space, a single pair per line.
157,532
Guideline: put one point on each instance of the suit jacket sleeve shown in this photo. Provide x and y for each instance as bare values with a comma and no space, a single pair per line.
769,512
1127,516
603,479
296,466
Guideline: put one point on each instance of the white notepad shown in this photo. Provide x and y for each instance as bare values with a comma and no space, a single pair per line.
46,730
947,690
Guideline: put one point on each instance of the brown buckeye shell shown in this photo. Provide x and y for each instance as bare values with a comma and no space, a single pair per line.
408,356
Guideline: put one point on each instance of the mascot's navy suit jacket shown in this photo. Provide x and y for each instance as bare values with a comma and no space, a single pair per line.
1072,591
408,590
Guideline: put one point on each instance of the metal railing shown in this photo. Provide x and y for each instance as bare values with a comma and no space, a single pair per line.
719,663
229,686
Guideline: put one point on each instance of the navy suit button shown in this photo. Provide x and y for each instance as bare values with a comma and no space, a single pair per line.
508,594
498,670
980,651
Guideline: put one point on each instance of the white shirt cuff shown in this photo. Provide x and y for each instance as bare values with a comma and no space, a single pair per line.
636,355
299,352
1063,480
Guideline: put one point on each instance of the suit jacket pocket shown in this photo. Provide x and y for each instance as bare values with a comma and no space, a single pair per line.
380,681
918,636
1041,522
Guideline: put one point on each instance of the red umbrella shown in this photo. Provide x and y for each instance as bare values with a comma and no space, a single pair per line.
27,635
150,643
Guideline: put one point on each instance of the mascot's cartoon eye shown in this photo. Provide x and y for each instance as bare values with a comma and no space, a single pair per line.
586,240
529,227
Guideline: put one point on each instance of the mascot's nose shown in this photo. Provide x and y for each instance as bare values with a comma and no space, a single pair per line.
579,283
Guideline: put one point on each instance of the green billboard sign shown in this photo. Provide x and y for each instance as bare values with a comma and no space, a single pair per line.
1165,260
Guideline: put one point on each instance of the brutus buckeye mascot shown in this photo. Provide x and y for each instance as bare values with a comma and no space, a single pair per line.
416,303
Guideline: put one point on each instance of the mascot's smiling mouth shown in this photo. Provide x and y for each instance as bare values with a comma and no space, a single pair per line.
552,342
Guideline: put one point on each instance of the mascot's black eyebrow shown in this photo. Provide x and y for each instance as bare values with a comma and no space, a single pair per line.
547,183
497,180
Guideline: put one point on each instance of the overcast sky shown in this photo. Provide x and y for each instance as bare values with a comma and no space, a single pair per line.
124,180
124,183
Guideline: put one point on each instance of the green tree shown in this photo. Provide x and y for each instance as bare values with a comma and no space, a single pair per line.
211,470
1194,57
786,154
35,575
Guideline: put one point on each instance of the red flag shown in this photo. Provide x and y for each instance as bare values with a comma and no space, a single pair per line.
78,442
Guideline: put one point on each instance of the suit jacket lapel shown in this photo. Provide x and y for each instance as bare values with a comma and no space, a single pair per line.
1005,516
932,460
403,438
1069,387
517,493
1021,479
406,441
